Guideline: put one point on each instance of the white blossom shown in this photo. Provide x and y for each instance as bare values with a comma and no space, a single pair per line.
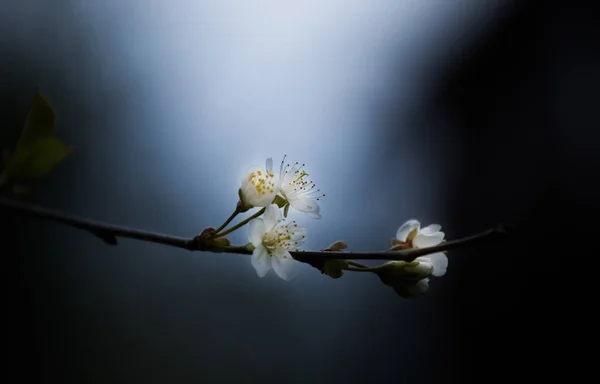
414,236
272,242
259,186
300,192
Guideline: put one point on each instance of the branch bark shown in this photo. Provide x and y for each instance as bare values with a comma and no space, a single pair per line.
109,234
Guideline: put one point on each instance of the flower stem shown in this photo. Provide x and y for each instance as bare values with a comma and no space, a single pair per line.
241,223
366,269
233,215
360,267
356,264
240,248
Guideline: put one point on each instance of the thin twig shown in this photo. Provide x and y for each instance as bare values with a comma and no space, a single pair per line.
103,230
241,223
109,233
229,219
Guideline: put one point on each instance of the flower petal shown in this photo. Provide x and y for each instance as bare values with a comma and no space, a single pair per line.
421,287
299,235
271,217
425,268
439,260
256,231
307,205
430,229
261,261
284,265
269,165
407,228
425,241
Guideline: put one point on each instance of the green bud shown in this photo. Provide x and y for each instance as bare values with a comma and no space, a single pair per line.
334,268
220,242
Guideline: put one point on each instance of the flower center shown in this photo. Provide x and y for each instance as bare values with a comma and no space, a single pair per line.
294,182
284,236
263,182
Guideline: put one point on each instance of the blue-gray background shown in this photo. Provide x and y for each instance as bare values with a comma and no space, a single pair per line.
464,113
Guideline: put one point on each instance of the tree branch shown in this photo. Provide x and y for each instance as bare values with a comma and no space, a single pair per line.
106,232
109,234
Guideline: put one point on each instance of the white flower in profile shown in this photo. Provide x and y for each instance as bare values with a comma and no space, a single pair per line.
407,279
414,236
297,190
259,186
272,242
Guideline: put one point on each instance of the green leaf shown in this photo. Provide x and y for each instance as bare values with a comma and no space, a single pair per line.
38,158
40,123
37,152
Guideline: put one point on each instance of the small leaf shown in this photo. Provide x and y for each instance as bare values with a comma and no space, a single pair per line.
334,268
38,158
40,123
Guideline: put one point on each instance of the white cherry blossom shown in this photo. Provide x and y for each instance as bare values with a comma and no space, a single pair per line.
414,236
272,242
259,186
300,192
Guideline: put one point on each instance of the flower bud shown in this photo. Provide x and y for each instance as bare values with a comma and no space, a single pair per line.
220,242
334,268
412,290
399,272
337,246
259,186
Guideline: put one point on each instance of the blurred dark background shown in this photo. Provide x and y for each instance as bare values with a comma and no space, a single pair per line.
464,113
